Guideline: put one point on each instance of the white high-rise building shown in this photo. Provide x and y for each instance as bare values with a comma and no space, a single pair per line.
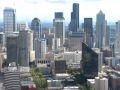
100,29
117,38
43,48
9,21
101,83
55,43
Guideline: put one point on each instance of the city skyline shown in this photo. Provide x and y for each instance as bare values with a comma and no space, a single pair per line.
26,10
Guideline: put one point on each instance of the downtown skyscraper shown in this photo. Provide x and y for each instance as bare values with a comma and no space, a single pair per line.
88,29
74,24
58,24
117,37
9,21
100,29
25,47
36,27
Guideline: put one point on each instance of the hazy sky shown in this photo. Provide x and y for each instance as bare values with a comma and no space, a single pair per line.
44,9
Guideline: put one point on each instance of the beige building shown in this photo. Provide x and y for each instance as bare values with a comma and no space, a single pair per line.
25,47
75,41
101,83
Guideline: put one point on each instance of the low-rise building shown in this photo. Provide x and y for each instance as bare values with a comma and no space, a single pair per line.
71,88
101,83
72,59
12,79
114,82
54,85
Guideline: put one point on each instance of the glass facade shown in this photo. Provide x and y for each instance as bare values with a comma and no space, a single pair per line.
9,21
89,62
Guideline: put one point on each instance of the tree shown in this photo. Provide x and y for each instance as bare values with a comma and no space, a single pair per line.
43,82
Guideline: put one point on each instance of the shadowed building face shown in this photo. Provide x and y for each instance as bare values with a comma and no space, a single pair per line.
89,62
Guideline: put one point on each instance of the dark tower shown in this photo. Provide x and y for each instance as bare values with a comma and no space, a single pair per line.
74,24
36,27
89,62
88,29
12,49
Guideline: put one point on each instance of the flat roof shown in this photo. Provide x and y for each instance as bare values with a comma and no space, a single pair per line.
71,88
63,74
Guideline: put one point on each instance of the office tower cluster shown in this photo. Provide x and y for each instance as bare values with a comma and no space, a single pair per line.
20,48
80,35
39,41
59,57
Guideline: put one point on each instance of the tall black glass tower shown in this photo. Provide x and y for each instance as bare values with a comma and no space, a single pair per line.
74,24
89,62
88,29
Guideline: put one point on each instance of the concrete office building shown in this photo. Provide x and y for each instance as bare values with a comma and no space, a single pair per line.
117,40
106,39
88,29
12,49
101,83
49,37
22,26
59,28
60,66
2,87
37,48
2,39
12,79
9,21
75,40
43,48
74,24
114,82
100,28
25,47
100,61
55,43
36,27
73,59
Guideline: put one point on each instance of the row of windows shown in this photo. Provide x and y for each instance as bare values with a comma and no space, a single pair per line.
43,62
